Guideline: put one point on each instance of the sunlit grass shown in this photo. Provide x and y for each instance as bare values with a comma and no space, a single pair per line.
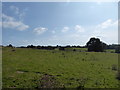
72,69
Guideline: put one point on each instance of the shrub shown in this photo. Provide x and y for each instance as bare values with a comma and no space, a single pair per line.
114,67
118,75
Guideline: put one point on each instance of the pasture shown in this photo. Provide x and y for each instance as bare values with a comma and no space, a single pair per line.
35,68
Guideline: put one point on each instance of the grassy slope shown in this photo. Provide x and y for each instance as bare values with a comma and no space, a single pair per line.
25,67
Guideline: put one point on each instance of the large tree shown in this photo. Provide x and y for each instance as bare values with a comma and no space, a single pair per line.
94,44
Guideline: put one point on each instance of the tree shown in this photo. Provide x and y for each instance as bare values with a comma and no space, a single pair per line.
94,44
117,50
62,48
30,46
10,45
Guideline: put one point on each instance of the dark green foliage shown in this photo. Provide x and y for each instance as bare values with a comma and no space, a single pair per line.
118,75
113,46
61,48
94,44
74,49
30,46
114,67
117,50
10,45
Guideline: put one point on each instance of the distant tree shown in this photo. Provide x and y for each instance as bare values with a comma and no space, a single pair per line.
10,45
22,47
113,46
94,44
62,48
78,46
38,47
50,47
117,50
57,46
68,46
104,46
30,46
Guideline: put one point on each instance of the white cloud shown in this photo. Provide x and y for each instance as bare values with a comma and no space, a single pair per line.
21,16
107,26
22,26
79,28
10,22
108,31
108,23
20,13
7,18
65,29
40,30
14,8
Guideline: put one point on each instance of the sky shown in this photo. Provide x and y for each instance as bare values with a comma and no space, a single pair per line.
58,23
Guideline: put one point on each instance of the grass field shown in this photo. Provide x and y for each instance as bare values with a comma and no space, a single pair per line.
34,68
0,67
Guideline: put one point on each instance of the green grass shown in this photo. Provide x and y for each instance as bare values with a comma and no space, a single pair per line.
110,50
0,67
24,68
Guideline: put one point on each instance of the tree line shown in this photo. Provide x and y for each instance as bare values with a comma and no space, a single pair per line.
94,44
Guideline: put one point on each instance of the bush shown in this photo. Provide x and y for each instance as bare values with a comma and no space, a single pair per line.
61,48
117,50
114,67
118,75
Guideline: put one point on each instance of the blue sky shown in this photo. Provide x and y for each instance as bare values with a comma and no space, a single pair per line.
59,23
